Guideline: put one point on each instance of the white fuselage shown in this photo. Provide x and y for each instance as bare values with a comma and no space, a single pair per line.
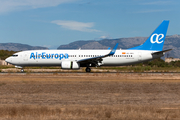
55,57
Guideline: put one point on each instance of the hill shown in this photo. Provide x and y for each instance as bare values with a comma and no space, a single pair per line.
19,47
172,42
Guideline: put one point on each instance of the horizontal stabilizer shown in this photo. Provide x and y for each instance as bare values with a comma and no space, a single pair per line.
159,52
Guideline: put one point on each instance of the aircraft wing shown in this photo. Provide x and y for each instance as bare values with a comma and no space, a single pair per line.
161,52
95,60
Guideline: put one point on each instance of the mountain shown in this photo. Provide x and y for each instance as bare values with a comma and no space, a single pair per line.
19,47
172,42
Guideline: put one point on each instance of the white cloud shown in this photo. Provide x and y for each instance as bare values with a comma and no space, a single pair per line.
74,25
50,46
104,37
13,5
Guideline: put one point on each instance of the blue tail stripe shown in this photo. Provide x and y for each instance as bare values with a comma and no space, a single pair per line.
156,41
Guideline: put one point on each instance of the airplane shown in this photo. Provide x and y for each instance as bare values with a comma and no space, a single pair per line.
74,59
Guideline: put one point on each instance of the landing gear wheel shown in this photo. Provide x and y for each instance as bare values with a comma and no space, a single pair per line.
88,69
22,70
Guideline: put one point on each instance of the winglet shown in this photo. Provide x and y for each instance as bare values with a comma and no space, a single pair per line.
109,48
113,50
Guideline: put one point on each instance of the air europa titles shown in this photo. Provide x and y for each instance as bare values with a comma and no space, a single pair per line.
44,55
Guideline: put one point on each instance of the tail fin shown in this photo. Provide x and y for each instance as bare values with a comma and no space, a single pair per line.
156,41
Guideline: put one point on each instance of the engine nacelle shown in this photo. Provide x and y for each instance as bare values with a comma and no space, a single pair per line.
70,65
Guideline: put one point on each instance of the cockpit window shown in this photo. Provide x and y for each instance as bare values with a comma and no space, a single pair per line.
14,55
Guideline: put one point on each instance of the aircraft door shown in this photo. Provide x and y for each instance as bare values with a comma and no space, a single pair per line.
139,56
77,56
25,57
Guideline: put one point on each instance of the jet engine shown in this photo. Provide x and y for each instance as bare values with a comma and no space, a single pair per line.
70,65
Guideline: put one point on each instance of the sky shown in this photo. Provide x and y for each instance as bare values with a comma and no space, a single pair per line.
51,23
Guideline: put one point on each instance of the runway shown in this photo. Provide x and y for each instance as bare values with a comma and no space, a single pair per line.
94,73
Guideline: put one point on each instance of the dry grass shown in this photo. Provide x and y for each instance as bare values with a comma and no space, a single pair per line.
89,96
127,112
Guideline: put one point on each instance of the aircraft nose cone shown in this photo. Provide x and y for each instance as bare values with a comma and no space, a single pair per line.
8,60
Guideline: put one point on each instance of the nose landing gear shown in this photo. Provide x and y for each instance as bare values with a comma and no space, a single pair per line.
20,67
22,70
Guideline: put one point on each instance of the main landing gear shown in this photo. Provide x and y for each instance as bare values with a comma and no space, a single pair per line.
88,69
